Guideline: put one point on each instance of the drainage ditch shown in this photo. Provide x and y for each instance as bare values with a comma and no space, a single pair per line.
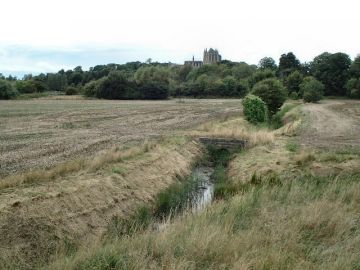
208,181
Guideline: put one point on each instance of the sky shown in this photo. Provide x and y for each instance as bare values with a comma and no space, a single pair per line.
47,35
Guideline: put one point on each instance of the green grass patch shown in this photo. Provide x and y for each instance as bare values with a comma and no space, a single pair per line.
223,188
34,95
119,170
140,220
106,260
292,147
276,120
176,198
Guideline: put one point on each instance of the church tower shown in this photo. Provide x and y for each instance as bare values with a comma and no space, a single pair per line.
211,56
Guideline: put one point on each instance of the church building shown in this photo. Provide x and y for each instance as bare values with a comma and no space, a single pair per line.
211,56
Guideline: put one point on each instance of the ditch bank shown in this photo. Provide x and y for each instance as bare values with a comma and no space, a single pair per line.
208,181
45,221
42,220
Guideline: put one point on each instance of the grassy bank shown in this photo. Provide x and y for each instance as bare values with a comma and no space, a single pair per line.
58,213
307,223
178,197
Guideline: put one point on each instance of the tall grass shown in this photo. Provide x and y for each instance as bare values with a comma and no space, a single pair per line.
176,198
220,158
277,119
179,196
237,129
307,223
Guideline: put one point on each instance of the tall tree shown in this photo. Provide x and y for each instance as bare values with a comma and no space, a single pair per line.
293,81
355,68
267,63
57,81
353,84
287,64
333,71
243,70
7,91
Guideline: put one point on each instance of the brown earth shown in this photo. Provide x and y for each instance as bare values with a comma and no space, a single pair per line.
332,124
41,133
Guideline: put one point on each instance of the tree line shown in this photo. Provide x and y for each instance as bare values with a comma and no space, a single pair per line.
328,74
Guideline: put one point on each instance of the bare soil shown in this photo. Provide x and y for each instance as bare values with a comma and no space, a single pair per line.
41,133
332,124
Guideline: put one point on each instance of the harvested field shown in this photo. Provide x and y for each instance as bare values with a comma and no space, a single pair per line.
41,133
332,124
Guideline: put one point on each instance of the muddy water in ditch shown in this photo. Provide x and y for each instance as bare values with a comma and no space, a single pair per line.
201,195
204,188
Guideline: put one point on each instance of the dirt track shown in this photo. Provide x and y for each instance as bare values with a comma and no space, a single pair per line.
332,124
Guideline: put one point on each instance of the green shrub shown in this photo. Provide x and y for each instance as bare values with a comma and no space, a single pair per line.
153,90
260,75
312,89
255,109
272,92
355,93
91,88
7,90
294,96
353,88
25,87
31,86
116,86
293,81
71,90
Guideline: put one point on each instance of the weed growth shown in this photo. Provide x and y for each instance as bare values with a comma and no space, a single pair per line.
277,119
292,146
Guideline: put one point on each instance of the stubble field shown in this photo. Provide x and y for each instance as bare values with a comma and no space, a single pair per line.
44,132
333,124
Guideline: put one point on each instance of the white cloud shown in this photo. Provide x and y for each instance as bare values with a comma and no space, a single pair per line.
174,30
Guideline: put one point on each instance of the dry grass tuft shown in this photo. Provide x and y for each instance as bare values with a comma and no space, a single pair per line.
304,158
101,159
236,128
292,122
41,175
290,129
117,155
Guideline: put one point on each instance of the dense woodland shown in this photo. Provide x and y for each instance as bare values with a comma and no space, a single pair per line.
328,74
